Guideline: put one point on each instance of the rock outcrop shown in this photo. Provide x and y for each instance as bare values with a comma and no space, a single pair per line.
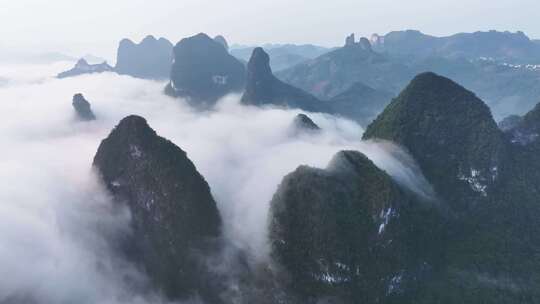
83,67
175,220
350,40
82,108
203,71
150,59
365,44
302,123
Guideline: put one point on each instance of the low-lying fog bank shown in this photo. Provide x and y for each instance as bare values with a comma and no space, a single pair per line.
56,220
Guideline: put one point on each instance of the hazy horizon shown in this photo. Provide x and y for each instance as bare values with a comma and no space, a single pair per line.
405,170
77,28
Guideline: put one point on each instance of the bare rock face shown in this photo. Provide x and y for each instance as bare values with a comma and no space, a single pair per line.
175,220
82,108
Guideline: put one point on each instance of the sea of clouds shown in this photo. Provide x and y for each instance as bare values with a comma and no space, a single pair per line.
57,222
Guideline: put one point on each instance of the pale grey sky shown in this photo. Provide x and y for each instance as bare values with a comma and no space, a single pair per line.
77,27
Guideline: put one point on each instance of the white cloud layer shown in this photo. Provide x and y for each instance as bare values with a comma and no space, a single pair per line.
56,220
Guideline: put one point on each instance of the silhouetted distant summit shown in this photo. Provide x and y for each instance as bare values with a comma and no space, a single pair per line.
152,58
263,88
203,71
82,67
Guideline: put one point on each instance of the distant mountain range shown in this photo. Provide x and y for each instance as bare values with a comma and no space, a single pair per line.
283,56
507,88
149,59
507,47
332,73
500,67
359,102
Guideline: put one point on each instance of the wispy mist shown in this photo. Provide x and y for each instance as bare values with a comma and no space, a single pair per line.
57,223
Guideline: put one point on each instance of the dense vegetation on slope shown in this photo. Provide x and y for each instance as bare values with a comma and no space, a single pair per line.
493,239
360,102
174,217
450,132
349,233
